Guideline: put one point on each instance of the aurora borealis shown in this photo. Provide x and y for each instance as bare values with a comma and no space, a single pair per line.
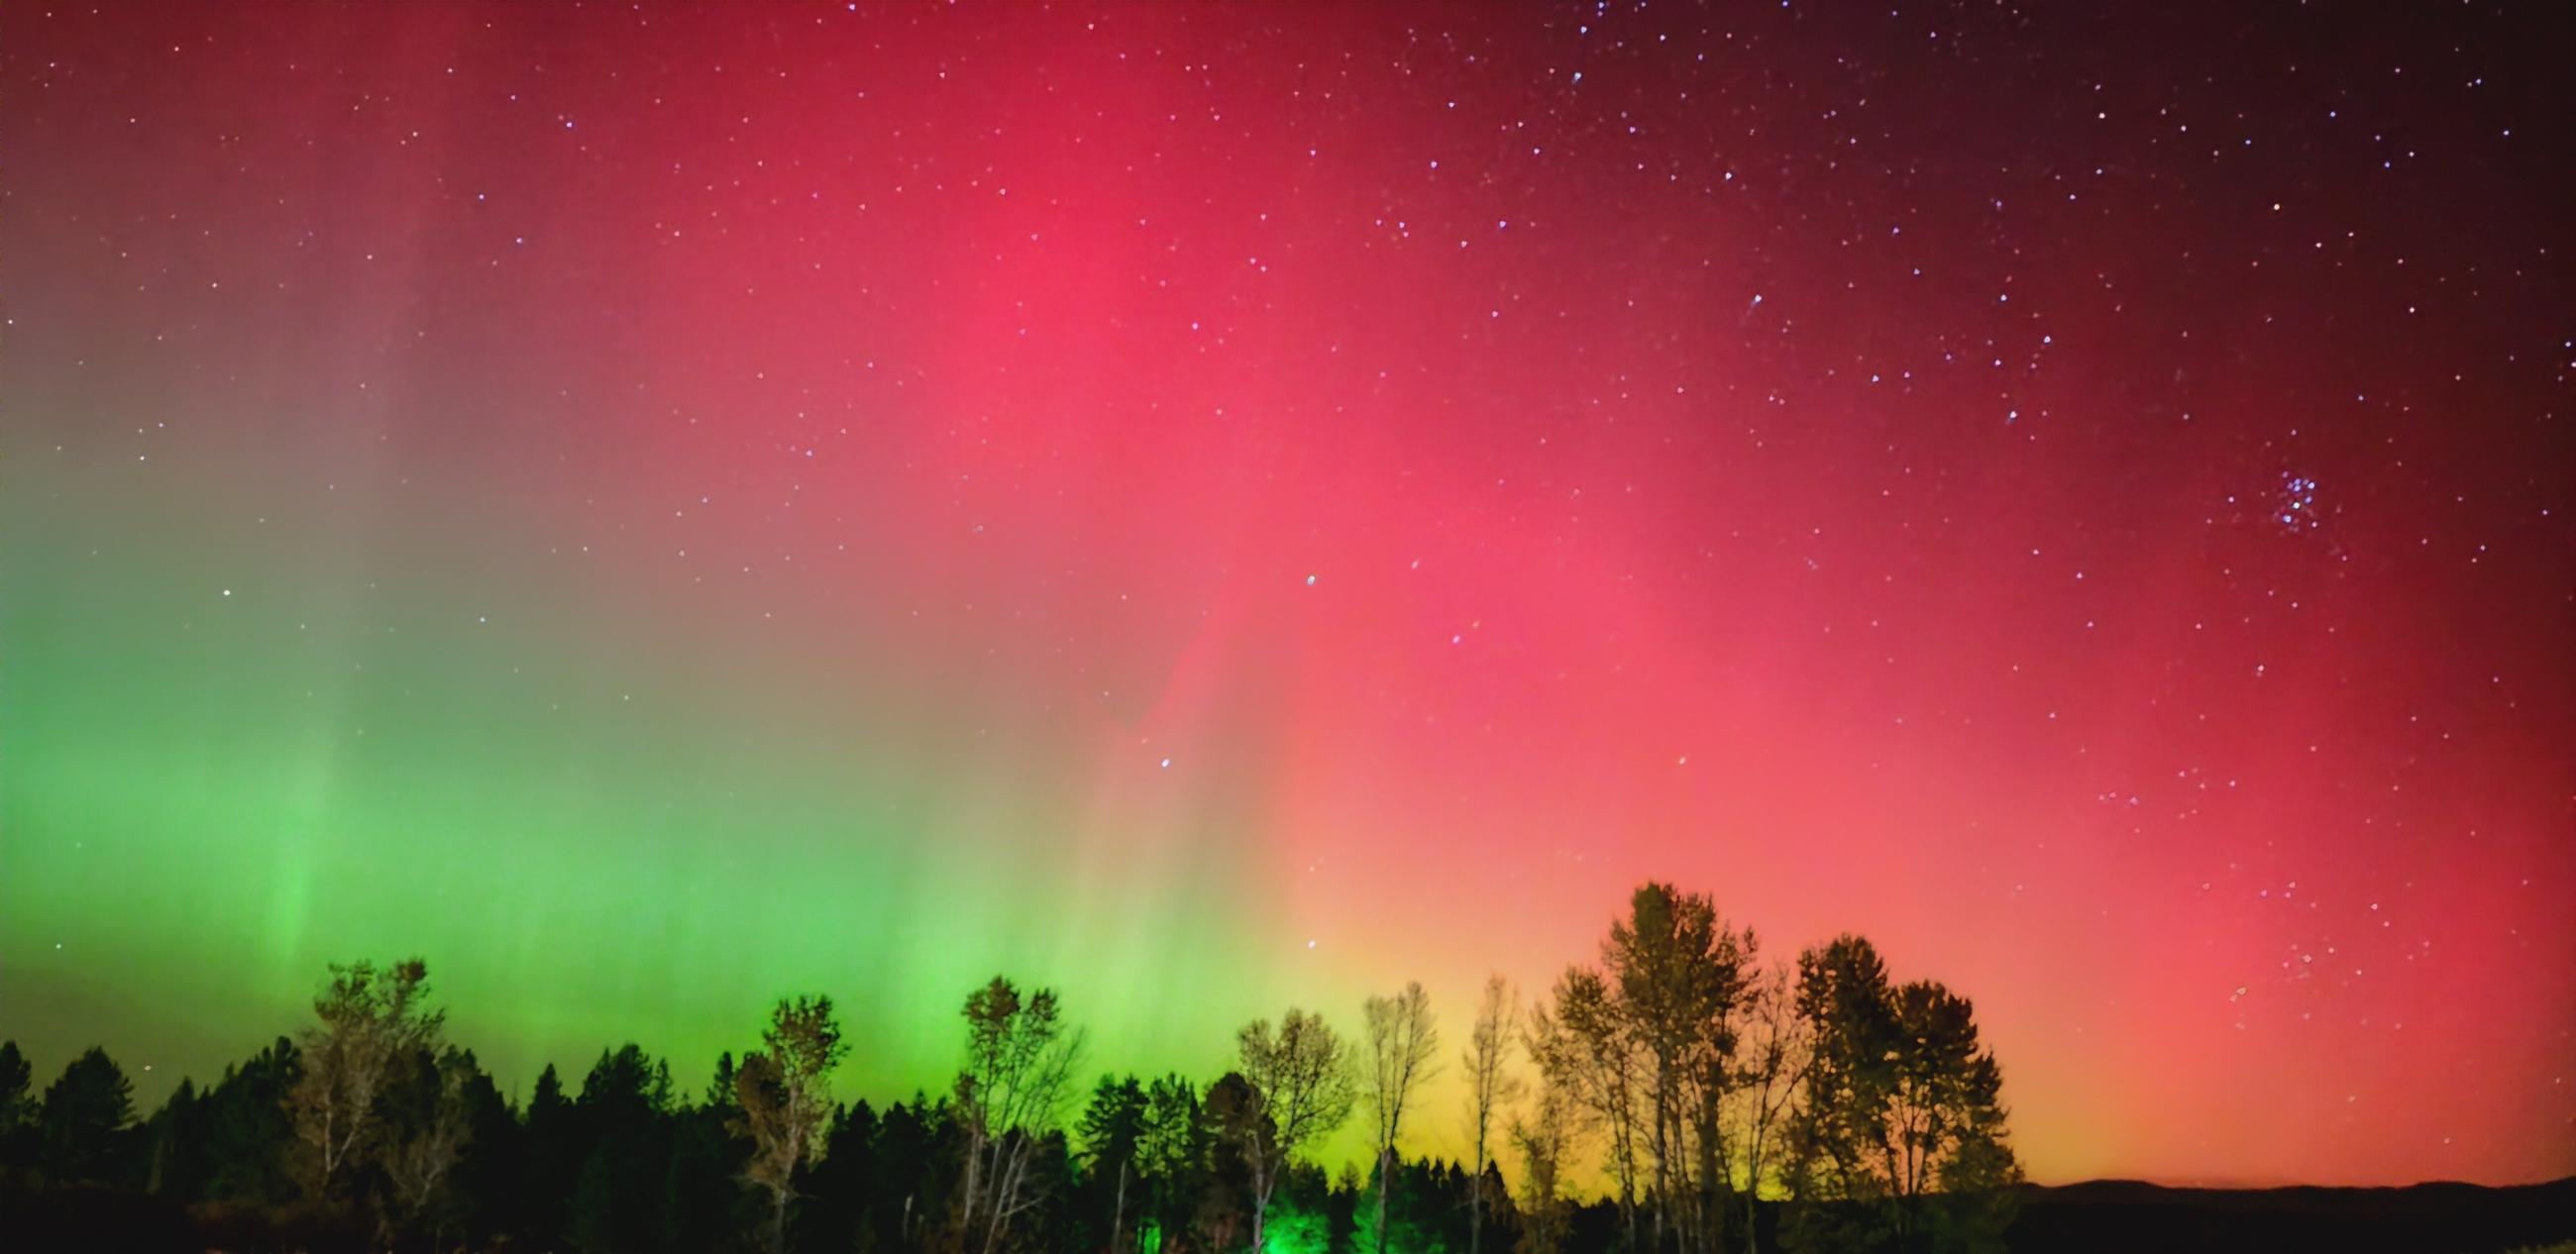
654,508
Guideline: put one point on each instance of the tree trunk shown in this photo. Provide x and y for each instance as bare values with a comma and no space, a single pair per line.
974,1165
1006,1193
1118,1211
1260,1212
1713,1175
1385,1154
1476,1209
1753,1194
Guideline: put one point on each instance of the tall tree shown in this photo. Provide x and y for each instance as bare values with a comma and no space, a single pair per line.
1846,1001
1403,1051
1586,1047
1300,1087
427,1124
176,1134
370,1019
250,1140
489,1180
1491,1086
17,1087
784,1090
17,1111
85,1118
710,1207
1680,970
1019,1062
1113,1130
1901,1117
1775,1050
1546,1136
1221,1215
620,1136
554,1153
1172,1154
919,1144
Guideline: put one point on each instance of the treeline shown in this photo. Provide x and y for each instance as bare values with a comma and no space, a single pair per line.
1676,1095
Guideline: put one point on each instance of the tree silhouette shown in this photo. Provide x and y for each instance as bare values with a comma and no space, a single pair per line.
84,1120
620,1136
249,1139
17,1097
1019,1060
1113,1132
1680,972
1707,1086
1587,1048
1172,1153
370,1021
1299,1083
1546,1136
427,1121
1491,1086
1223,1214
554,1153
1900,1128
782,1090
17,1111
1776,1049
706,1204
1403,1051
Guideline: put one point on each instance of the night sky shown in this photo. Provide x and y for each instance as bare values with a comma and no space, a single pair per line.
657,508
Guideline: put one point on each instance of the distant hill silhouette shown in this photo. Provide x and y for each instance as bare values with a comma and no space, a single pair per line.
2132,1217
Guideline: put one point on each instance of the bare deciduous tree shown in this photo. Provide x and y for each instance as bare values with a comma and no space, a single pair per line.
1546,1137
1403,1045
1585,1048
1019,1062
1490,1087
371,1019
1679,971
1775,1050
428,1136
1300,1079
784,1091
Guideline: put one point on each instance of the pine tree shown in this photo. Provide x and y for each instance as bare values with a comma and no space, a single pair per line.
85,1120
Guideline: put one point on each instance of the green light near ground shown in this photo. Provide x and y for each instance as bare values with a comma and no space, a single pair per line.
1292,1230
